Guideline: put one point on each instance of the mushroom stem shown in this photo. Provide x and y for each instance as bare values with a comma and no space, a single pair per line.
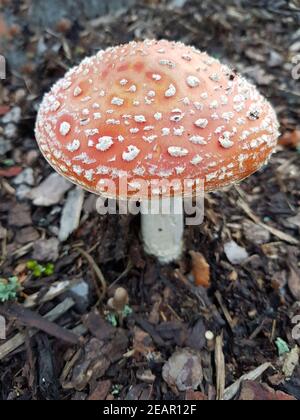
163,231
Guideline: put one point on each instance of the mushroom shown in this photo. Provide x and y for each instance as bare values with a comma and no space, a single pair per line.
150,113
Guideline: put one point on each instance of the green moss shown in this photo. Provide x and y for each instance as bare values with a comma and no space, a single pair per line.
39,270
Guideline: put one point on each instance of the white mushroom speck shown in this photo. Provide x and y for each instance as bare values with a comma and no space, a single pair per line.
113,122
65,128
198,140
91,132
140,119
199,106
196,160
170,92
132,89
158,116
179,131
149,139
192,81
201,123
77,169
168,63
134,130
175,151
226,143
225,140
77,91
156,77
165,132
151,94
104,143
117,101
74,146
89,174
131,153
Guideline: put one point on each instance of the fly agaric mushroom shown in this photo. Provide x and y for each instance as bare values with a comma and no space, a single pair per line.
155,110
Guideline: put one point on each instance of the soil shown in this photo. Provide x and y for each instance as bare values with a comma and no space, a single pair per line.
247,305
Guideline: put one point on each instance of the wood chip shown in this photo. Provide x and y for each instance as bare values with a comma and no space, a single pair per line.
220,368
55,290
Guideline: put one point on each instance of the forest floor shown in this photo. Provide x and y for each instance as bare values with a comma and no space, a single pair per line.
250,237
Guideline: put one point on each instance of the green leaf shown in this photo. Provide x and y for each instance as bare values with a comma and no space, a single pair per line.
282,346
127,311
8,162
112,319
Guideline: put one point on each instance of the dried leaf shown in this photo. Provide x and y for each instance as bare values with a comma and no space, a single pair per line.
201,269
291,139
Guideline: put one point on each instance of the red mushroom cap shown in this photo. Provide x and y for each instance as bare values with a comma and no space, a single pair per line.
155,110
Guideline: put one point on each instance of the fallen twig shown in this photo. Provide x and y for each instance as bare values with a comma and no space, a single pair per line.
225,310
278,233
96,269
122,275
19,253
231,392
23,316
19,339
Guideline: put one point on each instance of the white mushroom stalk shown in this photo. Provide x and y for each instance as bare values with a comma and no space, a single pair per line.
163,232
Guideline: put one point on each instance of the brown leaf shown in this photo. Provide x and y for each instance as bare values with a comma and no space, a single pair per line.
201,269
290,139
